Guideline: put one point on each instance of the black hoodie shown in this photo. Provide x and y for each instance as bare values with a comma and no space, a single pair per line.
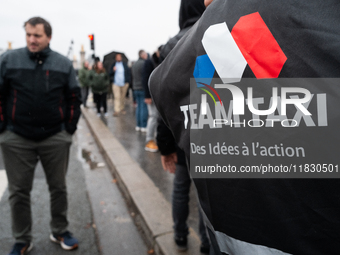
257,215
190,12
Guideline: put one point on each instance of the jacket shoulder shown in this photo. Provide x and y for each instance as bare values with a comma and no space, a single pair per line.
15,52
17,58
172,42
58,62
60,58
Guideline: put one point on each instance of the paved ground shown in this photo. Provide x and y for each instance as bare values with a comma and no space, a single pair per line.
152,211
97,212
123,128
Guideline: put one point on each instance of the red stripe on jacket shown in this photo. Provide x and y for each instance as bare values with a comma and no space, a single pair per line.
14,105
72,108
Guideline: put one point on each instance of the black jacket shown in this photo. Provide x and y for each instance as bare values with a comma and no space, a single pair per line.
149,65
39,94
261,215
190,12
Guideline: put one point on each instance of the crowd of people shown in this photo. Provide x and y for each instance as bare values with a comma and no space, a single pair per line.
94,78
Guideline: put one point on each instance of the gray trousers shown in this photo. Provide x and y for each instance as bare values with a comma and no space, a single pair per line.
21,157
151,127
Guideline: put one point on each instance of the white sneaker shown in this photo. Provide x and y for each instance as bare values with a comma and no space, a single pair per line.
98,115
137,128
106,115
143,130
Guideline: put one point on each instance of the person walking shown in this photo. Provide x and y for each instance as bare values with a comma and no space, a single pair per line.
138,91
40,107
120,78
151,127
100,83
84,82
172,157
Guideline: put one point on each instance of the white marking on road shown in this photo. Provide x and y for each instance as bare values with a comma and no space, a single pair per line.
3,182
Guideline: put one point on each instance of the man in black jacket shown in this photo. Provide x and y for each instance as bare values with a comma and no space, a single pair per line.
39,111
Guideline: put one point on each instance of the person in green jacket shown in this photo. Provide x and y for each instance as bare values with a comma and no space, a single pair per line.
84,81
100,82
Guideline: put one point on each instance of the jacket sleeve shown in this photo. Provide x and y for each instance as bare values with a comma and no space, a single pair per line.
127,73
73,101
3,93
147,70
111,72
165,140
82,77
107,80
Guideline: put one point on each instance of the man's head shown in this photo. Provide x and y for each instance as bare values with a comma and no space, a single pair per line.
38,34
142,54
86,64
119,57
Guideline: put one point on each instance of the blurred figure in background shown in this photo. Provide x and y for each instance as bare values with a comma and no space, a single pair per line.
84,74
100,83
120,78
149,65
138,91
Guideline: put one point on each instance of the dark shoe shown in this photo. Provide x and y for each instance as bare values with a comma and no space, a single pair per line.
66,240
205,250
21,248
182,243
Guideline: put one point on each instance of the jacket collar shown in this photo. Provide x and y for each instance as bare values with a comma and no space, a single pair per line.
41,55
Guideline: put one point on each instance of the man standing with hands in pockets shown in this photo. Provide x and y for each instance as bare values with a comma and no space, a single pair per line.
39,112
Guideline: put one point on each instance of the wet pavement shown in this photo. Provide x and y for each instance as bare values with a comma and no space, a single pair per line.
123,128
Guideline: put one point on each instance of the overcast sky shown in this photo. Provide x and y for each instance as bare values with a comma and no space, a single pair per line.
125,25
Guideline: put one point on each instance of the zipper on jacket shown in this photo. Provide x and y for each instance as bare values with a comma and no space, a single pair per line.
14,105
72,107
60,109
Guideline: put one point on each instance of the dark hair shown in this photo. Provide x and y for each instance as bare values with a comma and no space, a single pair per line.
37,20
96,69
140,52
